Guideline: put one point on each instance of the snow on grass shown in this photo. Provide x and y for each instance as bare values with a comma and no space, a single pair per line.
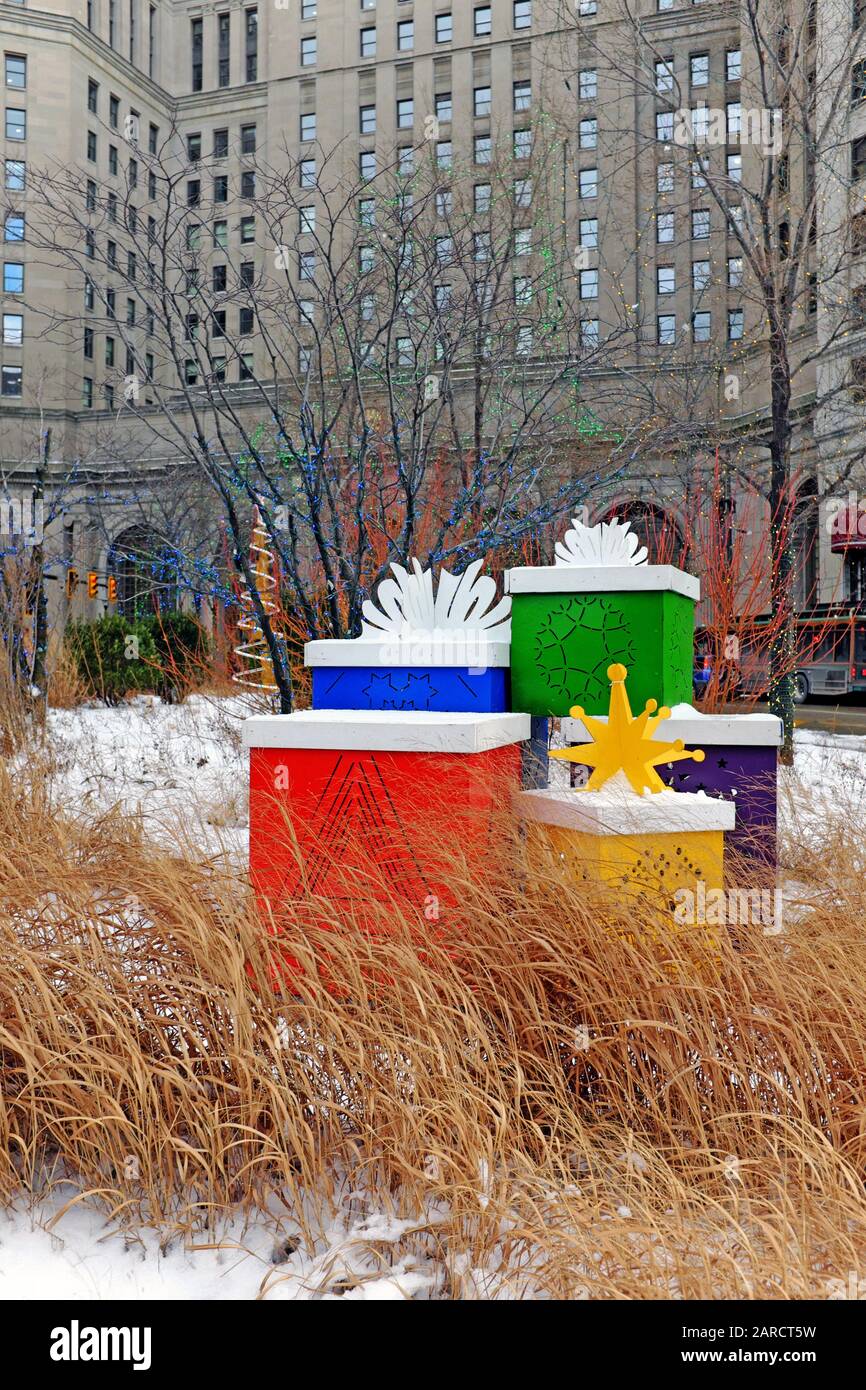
182,768
46,1253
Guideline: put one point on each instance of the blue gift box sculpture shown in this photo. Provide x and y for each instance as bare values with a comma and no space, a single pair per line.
446,651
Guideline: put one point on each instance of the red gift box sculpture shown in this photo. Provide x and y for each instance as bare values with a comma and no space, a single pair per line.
376,802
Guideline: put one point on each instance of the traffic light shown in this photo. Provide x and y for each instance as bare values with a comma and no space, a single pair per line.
71,582
92,583
112,589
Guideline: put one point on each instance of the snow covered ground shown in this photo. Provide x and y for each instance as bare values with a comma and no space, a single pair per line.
183,770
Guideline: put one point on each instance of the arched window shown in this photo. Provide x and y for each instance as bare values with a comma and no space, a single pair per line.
145,578
656,529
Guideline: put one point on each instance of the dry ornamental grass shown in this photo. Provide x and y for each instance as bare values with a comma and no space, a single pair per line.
563,1099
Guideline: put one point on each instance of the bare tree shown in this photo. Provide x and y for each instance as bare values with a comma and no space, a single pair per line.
398,371
768,168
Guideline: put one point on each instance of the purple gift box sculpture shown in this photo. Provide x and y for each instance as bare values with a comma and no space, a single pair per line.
740,765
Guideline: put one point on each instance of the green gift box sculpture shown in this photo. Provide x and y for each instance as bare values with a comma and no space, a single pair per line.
599,603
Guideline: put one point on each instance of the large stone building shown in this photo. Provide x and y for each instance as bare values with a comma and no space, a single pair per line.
104,88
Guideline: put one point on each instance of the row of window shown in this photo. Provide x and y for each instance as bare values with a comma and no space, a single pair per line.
700,223
699,70
733,169
220,145
132,33
700,117
444,30
251,49
443,109
666,327
666,276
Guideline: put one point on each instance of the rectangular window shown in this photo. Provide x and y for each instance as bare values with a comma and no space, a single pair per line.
252,45
307,173
588,133
248,230
197,49
220,234
218,279
13,227
112,159
248,183
87,393
732,114
664,76
444,28
444,110
221,188
309,51
14,175
735,168
367,164
16,126
223,50
589,284
735,324
93,96
587,84
700,224
481,101
13,277
405,35
589,338
522,96
481,149
248,139
666,329
405,113
246,372
481,197
405,161
307,221
735,272
665,126
444,153
247,274
589,232
152,138
523,241
588,183
522,144
245,321
733,65
664,227
666,279
308,125
308,9
858,158
109,352
220,144
700,276
699,66
523,193
665,178
368,43
13,331
367,119
482,25
522,14
701,326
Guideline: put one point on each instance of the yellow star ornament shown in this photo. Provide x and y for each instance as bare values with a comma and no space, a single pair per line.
625,743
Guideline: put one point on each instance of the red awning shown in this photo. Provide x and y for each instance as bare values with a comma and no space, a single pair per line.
848,531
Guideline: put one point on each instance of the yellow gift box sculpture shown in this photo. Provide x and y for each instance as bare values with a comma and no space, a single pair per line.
625,827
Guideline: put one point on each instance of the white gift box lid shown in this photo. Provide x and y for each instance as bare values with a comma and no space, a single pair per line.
580,579
386,731
462,650
617,810
696,729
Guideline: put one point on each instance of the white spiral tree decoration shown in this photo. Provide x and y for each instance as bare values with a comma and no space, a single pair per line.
608,543
407,605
